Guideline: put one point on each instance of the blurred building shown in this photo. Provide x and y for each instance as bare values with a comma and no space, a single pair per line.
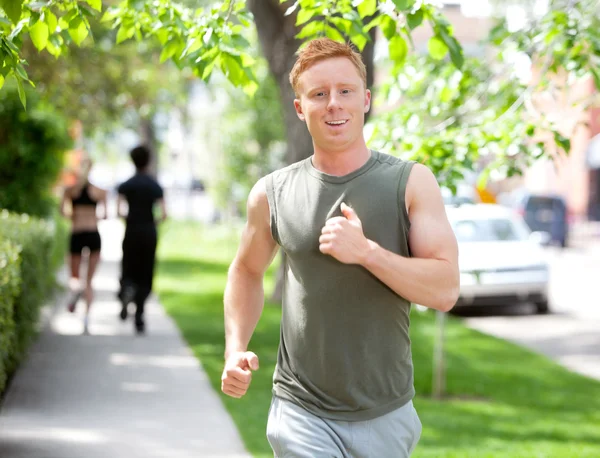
576,176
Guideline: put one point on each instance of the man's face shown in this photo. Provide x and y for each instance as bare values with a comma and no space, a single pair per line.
333,100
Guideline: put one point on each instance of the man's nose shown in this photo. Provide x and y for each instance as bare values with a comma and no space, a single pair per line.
334,102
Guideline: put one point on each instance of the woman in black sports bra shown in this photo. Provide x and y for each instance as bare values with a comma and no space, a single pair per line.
84,198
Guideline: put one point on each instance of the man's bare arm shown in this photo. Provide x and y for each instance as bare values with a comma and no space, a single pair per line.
431,276
163,210
244,294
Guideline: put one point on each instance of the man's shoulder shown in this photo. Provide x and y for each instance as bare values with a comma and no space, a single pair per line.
125,183
292,168
152,180
285,172
392,160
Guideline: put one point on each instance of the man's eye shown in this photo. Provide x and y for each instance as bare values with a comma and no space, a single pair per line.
345,91
320,94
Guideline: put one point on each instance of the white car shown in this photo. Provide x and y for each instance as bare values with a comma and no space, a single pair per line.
501,261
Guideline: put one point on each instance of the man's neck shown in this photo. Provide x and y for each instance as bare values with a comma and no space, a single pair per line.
340,163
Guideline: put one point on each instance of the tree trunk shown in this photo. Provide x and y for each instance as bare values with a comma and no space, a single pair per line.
148,138
277,36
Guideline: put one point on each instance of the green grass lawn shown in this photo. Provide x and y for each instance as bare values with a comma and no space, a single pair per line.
503,401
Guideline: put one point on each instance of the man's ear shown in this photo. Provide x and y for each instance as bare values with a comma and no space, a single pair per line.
367,100
298,107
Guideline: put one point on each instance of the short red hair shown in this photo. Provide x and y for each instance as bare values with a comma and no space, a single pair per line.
321,49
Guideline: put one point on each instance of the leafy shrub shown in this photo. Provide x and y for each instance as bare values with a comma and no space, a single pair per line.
32,147
34,239
10,280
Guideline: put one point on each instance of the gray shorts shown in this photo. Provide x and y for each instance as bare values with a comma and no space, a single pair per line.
294,432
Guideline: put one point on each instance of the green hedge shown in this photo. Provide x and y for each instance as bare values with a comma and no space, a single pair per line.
10,282
35,249
32,151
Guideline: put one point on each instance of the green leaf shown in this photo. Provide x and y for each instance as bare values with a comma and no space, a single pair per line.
208,69
456,52
232,69
343,25
310,29
21,91
415,20
20,71
11,46
194,44
596,76
437,48
239,42
51,21
359,40
16,31
110,15
446,94
398,49
162,35
54,45
388,27
334,34
305,15
367,8
13,9
209,55
248,62
250,88
169,50
96,4
125,32
206,62
404,5
73,19
53,49
563,142
79,33
1,81
374,23
207,35
39,35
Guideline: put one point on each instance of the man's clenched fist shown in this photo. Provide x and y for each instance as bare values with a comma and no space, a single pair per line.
342,237
237,374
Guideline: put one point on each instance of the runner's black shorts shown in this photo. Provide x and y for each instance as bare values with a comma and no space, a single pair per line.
81,240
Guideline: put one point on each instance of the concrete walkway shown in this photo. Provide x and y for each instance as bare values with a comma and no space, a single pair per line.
113,394
570,333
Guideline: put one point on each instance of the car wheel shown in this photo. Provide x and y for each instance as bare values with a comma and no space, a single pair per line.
542,307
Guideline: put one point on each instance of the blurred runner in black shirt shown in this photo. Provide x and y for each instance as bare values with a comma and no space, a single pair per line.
141,192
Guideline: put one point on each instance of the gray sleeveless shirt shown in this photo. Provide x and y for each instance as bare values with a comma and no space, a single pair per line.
344,350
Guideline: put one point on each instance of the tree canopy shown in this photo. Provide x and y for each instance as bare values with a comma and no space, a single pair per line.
456,110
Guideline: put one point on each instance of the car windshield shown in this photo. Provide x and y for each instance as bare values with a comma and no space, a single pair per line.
488,230
540,203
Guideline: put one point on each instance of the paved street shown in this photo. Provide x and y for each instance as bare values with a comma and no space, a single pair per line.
570,334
